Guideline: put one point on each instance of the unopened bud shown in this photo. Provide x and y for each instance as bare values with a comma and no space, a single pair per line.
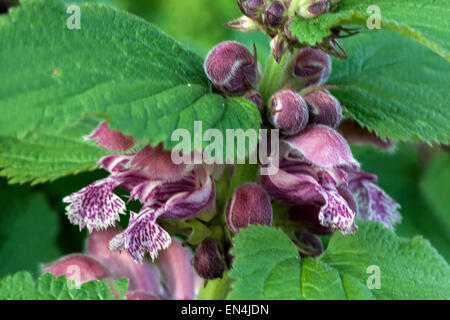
308,217
255,97
308,244
250,204
312,8
278,45
231,67
243,24
288,112
208,261
287,31
324,108
251,8
274,14
312,67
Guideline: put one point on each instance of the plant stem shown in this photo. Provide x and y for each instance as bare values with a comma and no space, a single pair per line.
216,289
293,7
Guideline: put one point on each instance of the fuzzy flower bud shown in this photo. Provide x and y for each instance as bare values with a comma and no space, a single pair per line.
274,14
208,261
250,204
255,97
309,9
288,112
312,67
278,46
323,108
231,67
308,244
251,8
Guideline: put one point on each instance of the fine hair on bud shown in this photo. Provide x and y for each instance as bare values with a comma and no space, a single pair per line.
288,112
273,16
231,68
208,261
324,108
311,67
250,204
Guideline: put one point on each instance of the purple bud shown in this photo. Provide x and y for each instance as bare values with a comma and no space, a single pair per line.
324,108
288,112
208,261
251,8
312,8
323,147
312,67
255,97
243,24
231,67
278,46
308,217
288,32
111,140
309,244
274,14
250,204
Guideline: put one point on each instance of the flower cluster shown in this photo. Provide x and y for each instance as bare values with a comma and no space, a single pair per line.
274,18
165,190
317,176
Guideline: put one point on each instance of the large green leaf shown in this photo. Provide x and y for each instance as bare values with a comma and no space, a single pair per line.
117,66
266,265
425,21
28,230
21,286
47,157
409,269
395,87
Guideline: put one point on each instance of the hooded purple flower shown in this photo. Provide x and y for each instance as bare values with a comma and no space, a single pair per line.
166,190
301,182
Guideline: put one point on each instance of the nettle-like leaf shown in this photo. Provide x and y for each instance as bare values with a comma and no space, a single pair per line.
22,286
116,65
408,269
266,265
28,230
425,21
47,157
394,86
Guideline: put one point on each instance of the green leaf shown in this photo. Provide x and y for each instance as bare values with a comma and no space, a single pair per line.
47,157
400,174
425,21
395,87
28,230
266,265
435,185
409,269
21,286
116,65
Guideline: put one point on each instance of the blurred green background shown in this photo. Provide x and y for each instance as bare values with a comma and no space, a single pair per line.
34,229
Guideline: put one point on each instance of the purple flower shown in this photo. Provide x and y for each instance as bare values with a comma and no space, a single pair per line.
309,9
208,261
323,108
251,8
145,282
311,67
301,181
274,14
110,139
166,190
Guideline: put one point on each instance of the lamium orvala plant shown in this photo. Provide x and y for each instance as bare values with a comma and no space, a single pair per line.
183,216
